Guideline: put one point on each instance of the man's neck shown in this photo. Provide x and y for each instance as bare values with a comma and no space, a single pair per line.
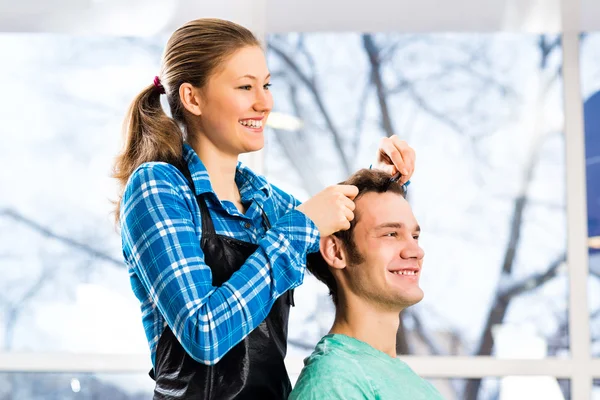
221,170
368,323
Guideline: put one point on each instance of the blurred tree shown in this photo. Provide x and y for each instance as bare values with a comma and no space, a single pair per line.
391,93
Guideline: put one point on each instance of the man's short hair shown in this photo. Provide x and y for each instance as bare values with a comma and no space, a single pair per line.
366,180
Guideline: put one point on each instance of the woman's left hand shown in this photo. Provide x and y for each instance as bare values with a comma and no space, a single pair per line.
395,155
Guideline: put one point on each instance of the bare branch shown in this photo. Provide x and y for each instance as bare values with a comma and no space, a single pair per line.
13,309
490,81
426,107
498,311
387,52
533,281
429,341
296,150
311,86
62,238
500,306
301,48
546,47
377,79
360,119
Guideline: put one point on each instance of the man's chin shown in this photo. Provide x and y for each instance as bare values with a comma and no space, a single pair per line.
410,299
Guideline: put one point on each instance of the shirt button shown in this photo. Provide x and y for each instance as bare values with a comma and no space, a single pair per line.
247,225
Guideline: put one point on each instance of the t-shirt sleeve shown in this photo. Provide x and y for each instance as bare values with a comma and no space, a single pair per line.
331,379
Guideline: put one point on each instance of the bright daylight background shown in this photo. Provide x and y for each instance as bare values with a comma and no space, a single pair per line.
483,111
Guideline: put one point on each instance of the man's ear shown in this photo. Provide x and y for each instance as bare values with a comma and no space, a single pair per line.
190,98
332,252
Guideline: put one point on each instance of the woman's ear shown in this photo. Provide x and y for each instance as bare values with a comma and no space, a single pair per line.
190,98
332,252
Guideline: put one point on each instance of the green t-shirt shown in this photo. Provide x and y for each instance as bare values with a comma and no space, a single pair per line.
342,367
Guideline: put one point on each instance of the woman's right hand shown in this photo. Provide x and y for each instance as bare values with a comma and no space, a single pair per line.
331,209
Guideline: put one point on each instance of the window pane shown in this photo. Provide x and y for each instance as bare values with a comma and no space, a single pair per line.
64,285
65,386
590,76
485,115
505,388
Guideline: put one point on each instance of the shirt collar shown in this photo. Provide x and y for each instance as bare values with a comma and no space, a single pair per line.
251,185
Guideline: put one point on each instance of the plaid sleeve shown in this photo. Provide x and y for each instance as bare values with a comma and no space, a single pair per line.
162,247
286,203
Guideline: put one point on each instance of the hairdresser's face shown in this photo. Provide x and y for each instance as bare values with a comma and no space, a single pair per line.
387,237
237,102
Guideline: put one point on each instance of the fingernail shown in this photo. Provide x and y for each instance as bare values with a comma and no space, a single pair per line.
404,172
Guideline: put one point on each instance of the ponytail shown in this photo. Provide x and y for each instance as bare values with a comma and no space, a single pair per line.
150,135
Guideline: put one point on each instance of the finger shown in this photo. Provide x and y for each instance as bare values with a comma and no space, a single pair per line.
345,225
349,214
350,191
389,149
388,168
406,153
409,160
409,157
405,178
410,171
349,204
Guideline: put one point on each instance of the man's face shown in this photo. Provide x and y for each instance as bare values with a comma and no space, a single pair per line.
387,237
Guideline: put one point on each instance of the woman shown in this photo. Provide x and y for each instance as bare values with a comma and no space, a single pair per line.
213,249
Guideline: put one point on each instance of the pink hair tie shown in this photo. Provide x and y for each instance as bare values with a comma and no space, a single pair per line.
158,85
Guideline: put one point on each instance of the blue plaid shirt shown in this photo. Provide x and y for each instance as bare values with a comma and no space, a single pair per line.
161,231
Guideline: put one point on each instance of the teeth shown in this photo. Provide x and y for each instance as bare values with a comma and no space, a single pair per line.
404,272
251,123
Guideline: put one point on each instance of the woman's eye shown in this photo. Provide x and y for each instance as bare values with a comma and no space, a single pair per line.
391,234
246,87
267,86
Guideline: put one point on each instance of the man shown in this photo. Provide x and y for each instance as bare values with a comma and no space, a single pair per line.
372,271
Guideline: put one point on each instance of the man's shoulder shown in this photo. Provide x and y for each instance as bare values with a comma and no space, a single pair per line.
330,373
330,359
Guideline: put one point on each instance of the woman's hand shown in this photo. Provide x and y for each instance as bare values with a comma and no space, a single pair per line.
331,209
395,155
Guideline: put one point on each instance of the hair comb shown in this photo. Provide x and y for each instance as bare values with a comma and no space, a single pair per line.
395,178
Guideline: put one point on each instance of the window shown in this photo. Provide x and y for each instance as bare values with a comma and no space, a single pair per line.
75,386
484,113
64,287
510,387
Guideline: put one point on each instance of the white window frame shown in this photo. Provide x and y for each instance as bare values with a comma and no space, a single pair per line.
580,368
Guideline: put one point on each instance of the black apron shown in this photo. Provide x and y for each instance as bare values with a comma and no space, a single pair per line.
252,369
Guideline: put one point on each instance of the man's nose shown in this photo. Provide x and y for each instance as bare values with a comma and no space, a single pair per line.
412,250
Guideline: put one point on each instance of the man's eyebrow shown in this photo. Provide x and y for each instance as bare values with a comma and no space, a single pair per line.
396,225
